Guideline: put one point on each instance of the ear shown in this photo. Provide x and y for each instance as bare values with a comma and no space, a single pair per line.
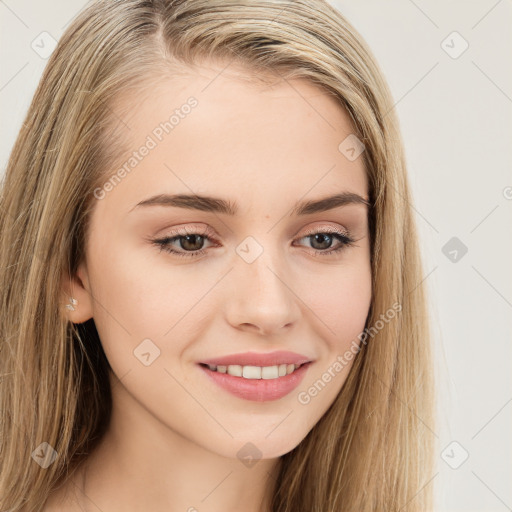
77,287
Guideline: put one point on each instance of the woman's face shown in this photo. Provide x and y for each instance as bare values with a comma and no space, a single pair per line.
256,279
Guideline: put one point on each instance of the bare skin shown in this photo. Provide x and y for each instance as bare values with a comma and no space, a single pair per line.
174,439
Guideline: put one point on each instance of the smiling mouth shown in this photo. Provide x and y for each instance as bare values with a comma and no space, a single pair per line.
255,372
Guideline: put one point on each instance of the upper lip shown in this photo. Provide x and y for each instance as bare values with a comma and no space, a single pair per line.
259,359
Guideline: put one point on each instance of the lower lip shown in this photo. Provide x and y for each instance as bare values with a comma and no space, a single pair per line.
258,390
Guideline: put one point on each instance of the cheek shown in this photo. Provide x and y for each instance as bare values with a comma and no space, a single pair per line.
340,310
138,300
144,297
130,305
341,302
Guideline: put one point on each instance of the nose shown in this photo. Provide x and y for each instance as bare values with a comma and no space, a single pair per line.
262,299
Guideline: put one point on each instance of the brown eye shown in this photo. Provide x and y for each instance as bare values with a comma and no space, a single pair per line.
190,243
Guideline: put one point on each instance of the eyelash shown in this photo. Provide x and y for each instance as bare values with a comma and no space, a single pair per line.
163,243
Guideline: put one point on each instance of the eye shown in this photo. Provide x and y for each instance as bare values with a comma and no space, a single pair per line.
191,241
323,239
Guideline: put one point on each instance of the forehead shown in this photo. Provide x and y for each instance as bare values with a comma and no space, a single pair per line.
245,136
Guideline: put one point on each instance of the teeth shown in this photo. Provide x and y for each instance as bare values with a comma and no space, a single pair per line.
251,372
236,370
270,372
256,372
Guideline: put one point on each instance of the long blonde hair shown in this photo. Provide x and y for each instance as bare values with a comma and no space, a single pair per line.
373,448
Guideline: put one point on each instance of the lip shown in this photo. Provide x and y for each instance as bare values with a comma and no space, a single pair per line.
257,390
259,359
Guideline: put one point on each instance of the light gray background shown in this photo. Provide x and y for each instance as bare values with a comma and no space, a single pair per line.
455,115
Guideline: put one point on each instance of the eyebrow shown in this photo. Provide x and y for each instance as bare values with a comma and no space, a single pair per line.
217,205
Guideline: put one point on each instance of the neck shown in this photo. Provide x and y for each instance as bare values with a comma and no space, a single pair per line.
141,464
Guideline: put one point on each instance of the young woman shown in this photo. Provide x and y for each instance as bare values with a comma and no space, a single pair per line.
211,287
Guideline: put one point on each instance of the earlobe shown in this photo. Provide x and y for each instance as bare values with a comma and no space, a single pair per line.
76,303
